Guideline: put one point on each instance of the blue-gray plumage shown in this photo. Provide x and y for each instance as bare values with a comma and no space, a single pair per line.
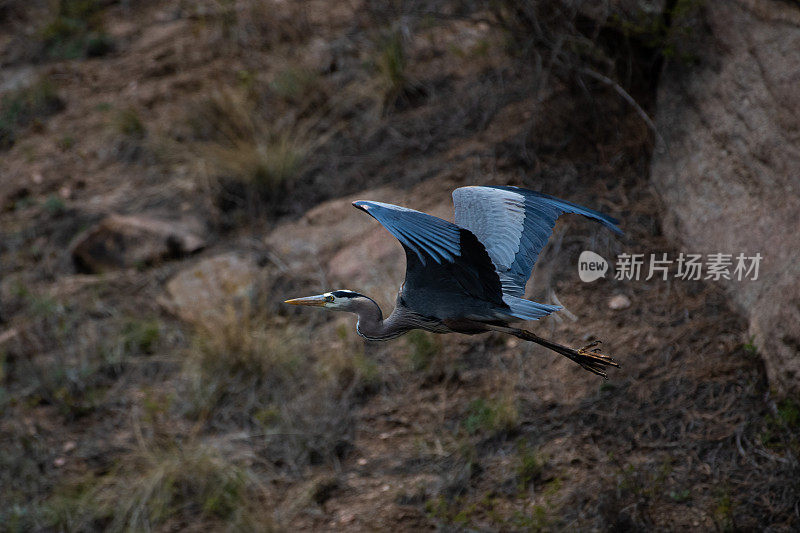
514,225
468,276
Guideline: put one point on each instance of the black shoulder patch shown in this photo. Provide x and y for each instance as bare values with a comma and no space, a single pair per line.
475,272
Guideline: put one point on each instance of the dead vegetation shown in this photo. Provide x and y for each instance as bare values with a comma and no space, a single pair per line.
26,107
75,29
265,381
158,486
116,416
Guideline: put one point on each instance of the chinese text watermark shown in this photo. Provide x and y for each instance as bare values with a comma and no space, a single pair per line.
636,267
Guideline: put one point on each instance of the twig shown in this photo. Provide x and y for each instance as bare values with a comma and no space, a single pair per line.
7,335
744,455
566,312
627,97
772,457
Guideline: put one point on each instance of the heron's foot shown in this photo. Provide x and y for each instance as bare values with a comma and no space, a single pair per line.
589,357
592,359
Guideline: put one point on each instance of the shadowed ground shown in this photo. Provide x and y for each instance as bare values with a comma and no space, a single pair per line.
170,389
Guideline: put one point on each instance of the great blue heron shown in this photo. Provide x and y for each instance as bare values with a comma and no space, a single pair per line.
468,277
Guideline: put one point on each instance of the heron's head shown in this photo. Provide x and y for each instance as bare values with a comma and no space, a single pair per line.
340,300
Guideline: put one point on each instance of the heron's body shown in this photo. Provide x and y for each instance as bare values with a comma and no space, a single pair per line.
468,276
404,318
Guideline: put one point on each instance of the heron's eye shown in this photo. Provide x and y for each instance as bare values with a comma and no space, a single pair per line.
329,298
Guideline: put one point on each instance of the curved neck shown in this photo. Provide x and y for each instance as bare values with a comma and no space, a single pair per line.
371,324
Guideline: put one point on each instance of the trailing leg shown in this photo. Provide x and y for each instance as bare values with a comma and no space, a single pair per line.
589,357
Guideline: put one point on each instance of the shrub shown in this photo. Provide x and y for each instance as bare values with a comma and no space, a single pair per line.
128,122
267,165
242,148
237,365
424,347
154,486
390,63
491,415
24,106
247,374
75,30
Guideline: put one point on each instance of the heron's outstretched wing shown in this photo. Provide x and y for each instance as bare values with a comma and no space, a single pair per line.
442,258
514,225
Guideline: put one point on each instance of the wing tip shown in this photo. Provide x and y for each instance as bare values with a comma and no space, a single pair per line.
611,223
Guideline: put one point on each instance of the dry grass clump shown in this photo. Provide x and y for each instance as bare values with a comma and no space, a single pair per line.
130,143
423,349
157,487
236,365
272,22
128,123
76,30
252,24
298,86
63,360
21,478
491,415
347,365
264,379
223,116
314,426
246,147
268,164
393,84
390,63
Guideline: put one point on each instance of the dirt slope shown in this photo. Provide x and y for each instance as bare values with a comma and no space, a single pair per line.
264,120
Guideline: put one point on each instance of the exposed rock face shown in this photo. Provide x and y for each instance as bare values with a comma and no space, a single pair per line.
206,290
728,168
120,241
344,248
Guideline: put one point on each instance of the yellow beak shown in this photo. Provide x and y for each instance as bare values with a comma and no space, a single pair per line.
315,301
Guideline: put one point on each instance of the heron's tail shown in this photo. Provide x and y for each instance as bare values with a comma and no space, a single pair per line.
527,310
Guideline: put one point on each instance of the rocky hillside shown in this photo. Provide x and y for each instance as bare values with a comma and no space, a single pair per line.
170,172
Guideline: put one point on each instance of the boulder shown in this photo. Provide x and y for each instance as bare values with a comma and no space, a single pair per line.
727,165
343,248
207,290
120,241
